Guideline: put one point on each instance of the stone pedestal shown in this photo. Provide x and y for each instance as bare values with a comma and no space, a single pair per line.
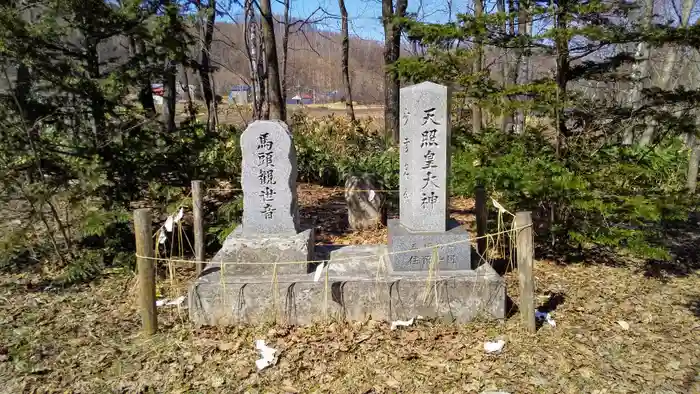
453,257
265,248
360,286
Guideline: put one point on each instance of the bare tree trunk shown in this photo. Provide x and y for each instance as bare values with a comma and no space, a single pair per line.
692,180
96,99
346,54
664,78
562,45
285,49
478,63
639,71
145,93
513,60
277,107
169,78
190,103
264,82
503,55
206,35
392,48
169,96
523,76
251,44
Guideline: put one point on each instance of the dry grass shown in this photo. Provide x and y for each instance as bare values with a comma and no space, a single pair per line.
86,339
242,115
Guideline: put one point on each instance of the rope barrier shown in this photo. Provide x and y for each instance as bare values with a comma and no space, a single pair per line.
334,190
431,283
334,261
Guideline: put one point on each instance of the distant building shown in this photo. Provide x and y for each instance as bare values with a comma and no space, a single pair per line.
304,99
157,89
238,95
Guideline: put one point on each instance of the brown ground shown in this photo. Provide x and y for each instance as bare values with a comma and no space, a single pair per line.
241,116
617,331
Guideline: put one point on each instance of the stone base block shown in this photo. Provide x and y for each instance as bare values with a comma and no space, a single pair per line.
359,287
402,242
249,249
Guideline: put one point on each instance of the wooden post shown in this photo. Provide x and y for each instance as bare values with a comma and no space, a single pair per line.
481,219
197,203
525,253
146,271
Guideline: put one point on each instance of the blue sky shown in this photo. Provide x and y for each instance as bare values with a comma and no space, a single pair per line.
364,15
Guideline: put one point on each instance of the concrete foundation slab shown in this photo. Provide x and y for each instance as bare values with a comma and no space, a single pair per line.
360,286
265,248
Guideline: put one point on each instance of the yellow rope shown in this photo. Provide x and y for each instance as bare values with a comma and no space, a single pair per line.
275,291
338,260
325,295
431,272
500,240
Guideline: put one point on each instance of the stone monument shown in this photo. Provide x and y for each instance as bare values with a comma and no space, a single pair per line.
270,231
358,282
424,187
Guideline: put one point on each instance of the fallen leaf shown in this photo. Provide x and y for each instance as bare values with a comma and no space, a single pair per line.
411,336
625,326
198,359
218,381
393,383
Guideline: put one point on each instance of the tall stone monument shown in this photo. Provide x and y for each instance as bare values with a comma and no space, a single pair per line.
270,231
424,185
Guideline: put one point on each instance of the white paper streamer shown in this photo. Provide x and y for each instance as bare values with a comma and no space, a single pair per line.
169,224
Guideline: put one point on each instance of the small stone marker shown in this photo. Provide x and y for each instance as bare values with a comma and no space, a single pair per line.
424,200
269,179
425,154
365,200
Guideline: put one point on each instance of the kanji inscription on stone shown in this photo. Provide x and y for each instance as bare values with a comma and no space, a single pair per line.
268,178
425,157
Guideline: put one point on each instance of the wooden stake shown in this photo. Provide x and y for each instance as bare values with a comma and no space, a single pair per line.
146,272
481,219
525,253
198,203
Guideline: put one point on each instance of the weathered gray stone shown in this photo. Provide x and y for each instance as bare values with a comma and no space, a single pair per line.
359,287
247,250
366,208
425,157
268,178
454,256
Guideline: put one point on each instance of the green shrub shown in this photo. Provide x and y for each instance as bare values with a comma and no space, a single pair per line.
331,148
614,198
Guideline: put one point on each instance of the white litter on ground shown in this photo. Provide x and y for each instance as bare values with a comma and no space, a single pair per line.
625,326
546,317
404,323
167,302
371,195
494,347
267,354
178,301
